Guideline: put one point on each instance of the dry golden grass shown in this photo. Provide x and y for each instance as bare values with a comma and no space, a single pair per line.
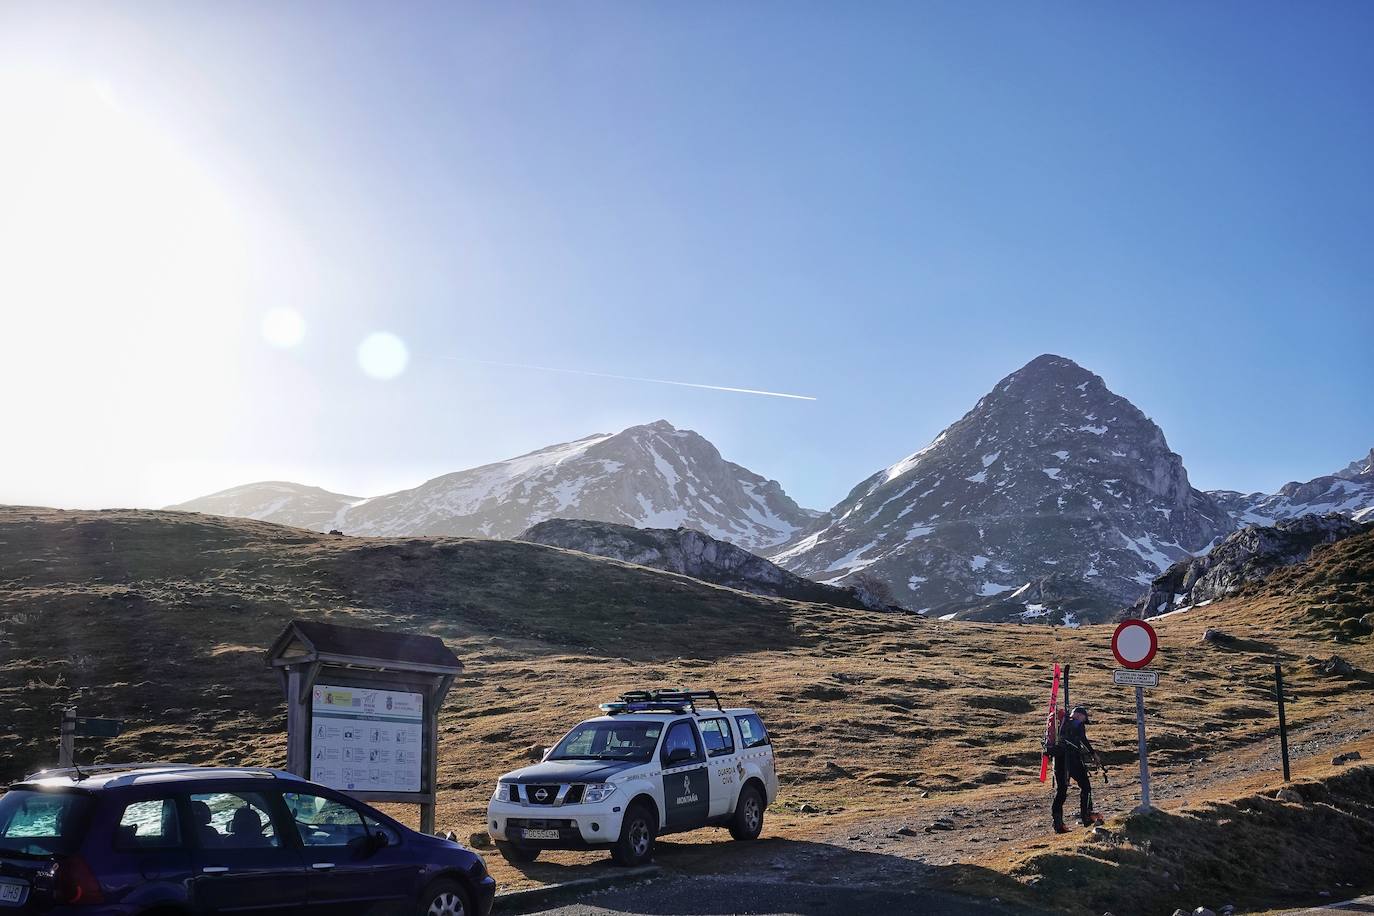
160,618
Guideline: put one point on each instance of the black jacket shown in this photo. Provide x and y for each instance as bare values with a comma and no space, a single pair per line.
1073,738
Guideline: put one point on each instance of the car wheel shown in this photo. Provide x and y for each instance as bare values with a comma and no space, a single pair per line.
517,855
445,898
637,833
748,821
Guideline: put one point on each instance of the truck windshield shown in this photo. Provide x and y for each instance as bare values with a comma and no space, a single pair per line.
635,741
42,823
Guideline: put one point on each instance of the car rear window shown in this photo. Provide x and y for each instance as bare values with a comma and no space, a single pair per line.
151,824
42,823
716,734
751,731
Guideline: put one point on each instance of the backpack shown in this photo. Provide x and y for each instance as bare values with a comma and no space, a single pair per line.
1054,726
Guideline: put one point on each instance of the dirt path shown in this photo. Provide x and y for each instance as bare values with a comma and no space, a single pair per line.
995,824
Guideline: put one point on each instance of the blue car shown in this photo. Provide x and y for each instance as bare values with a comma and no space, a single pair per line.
172,839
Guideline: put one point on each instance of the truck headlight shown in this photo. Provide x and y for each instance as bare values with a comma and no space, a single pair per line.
503,791
597,792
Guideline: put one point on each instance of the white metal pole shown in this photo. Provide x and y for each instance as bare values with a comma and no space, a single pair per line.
1140,735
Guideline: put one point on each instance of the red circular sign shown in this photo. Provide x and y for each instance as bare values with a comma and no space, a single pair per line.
1134,643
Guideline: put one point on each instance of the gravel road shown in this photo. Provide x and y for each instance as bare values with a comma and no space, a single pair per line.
716,896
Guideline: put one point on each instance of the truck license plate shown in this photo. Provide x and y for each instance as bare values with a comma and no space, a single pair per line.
541,834
11,893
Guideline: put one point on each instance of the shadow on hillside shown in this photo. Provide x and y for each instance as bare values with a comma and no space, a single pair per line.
1227,643
565,599
799,877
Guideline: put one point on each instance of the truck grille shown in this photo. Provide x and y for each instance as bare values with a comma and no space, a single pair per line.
541,795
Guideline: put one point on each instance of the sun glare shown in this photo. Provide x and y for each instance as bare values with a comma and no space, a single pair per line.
121,266
284,328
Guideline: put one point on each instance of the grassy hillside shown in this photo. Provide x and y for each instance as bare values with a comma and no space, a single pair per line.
162,618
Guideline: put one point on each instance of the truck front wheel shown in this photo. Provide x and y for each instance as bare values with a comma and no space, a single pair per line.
637,833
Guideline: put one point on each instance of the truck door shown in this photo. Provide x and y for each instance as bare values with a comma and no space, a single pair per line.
722,762
686,781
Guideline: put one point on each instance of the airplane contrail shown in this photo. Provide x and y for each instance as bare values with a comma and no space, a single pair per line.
632,378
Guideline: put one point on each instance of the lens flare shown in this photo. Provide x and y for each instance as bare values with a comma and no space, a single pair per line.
383,355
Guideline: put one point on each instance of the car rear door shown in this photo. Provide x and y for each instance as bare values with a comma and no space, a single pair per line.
686,780
150,854
242,861
721,749
349,871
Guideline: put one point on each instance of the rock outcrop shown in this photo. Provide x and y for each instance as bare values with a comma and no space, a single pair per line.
691,553
1245,556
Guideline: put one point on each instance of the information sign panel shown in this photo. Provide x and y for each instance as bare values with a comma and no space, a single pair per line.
363,738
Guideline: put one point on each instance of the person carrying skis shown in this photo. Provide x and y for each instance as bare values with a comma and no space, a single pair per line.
1072,752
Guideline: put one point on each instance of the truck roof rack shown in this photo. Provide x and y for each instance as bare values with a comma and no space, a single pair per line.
677,700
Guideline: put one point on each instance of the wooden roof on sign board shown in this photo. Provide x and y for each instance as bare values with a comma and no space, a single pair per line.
313,640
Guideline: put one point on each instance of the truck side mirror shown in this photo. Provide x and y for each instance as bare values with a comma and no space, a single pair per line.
679,754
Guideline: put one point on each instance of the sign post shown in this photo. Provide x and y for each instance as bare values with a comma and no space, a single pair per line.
1134,644
73,725
1283,721
66,741
1140,738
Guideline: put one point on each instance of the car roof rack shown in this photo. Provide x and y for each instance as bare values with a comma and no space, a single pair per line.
677,700
98,769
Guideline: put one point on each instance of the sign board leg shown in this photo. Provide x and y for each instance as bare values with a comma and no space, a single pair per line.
1144,765
427,819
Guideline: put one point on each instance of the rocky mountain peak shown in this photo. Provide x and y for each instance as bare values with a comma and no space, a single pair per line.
1050,473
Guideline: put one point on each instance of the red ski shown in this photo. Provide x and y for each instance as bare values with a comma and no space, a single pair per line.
1051,727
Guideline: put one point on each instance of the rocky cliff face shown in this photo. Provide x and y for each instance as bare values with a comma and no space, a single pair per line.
1247,555
691,553
647,476
1050,474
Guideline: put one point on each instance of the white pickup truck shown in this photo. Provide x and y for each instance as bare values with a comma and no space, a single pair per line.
660,761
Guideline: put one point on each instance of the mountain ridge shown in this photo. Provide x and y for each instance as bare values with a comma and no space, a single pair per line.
651,475
1050,479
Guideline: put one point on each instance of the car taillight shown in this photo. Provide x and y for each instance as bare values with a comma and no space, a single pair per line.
74,882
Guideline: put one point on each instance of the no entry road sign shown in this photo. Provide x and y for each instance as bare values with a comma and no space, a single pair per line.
1134,643
1136,678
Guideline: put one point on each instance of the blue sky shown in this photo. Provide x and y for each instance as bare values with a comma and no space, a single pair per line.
886,206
